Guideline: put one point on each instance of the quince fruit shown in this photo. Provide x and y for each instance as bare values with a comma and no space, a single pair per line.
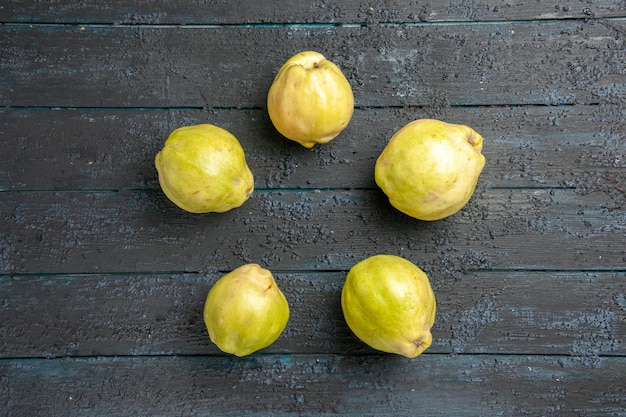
429,169
310,100
203,169
389,304
245,310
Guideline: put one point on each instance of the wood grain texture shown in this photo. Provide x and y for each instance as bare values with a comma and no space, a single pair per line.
376,385
103,280
525,146
327,11
577,314
555,62
78,232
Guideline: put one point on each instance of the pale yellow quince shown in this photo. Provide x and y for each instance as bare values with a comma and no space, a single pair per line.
310,100
429,169
203,169
245,310
389,304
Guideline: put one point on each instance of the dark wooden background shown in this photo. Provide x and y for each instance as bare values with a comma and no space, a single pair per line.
103,280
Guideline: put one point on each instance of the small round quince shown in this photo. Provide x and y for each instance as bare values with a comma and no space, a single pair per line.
310,100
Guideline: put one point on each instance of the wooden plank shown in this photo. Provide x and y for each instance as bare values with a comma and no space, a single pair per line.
346,11
533,146
552,62
83,232
377,385
480,313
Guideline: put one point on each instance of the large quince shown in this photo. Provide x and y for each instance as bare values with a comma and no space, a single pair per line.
389,304
203,169
245,311
310,100
429,169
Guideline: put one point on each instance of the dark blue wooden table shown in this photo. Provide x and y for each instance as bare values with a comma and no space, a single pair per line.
103,279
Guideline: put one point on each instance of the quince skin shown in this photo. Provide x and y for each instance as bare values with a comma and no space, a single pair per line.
389,304
429,169
245,310
203,169
310,100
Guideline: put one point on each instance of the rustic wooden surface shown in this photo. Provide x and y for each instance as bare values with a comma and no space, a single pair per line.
103,280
